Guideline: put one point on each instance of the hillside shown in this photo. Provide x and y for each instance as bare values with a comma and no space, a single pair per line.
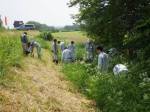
39,86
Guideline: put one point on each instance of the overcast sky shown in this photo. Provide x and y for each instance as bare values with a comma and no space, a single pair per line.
50,12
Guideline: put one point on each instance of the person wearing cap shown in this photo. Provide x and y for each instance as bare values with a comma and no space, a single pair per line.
71,47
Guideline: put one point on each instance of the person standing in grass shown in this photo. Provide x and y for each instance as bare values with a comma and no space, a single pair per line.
24,41
55,51
71,47
67,56
89,51
102,59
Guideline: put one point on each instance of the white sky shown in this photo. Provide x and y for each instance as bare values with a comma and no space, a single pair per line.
50,12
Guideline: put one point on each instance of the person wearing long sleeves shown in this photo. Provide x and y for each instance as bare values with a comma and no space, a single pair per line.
55,51
71,47
34,44
89,51
67,56
24,41
102,60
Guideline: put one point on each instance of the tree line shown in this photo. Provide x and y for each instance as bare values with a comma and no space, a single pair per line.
44,27
123,24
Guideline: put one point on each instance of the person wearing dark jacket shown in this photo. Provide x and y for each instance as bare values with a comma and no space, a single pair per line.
24,41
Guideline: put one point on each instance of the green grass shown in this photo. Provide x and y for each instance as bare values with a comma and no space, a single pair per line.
10,53
111,93
77,36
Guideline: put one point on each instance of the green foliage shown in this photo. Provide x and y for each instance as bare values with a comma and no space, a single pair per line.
46,36
78,77
111,93
70,28
107,21
125,25
80,51
10,53
44,39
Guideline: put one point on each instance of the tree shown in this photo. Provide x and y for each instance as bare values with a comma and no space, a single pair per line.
107,21
42,27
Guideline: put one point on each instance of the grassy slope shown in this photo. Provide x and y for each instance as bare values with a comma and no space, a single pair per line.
38,87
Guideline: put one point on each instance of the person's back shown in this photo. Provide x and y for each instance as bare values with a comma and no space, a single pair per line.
55,51
67,56
103,61
62,46
89,47
38,48
71,47
24,38
54,47
89,51
120,68
24,41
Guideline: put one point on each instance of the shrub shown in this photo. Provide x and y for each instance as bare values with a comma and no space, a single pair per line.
46,36
111,93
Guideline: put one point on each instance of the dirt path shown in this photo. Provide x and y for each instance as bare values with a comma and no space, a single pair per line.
39,87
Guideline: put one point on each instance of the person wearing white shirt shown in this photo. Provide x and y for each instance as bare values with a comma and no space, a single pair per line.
102,60
67,56
71,47
119,69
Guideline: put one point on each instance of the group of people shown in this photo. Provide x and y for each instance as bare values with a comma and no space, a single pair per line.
67,52
68,55
30,46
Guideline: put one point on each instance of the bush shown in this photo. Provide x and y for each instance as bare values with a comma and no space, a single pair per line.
80,51
111,93
78,77
46,36
10,53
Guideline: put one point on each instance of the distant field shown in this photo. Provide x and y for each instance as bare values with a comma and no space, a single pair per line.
76,36
16,33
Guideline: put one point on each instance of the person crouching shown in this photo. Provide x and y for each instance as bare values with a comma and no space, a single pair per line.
34,45
67,56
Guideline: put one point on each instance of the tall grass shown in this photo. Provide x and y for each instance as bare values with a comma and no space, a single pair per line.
10,53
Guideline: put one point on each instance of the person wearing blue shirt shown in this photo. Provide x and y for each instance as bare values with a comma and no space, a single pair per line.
102,60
